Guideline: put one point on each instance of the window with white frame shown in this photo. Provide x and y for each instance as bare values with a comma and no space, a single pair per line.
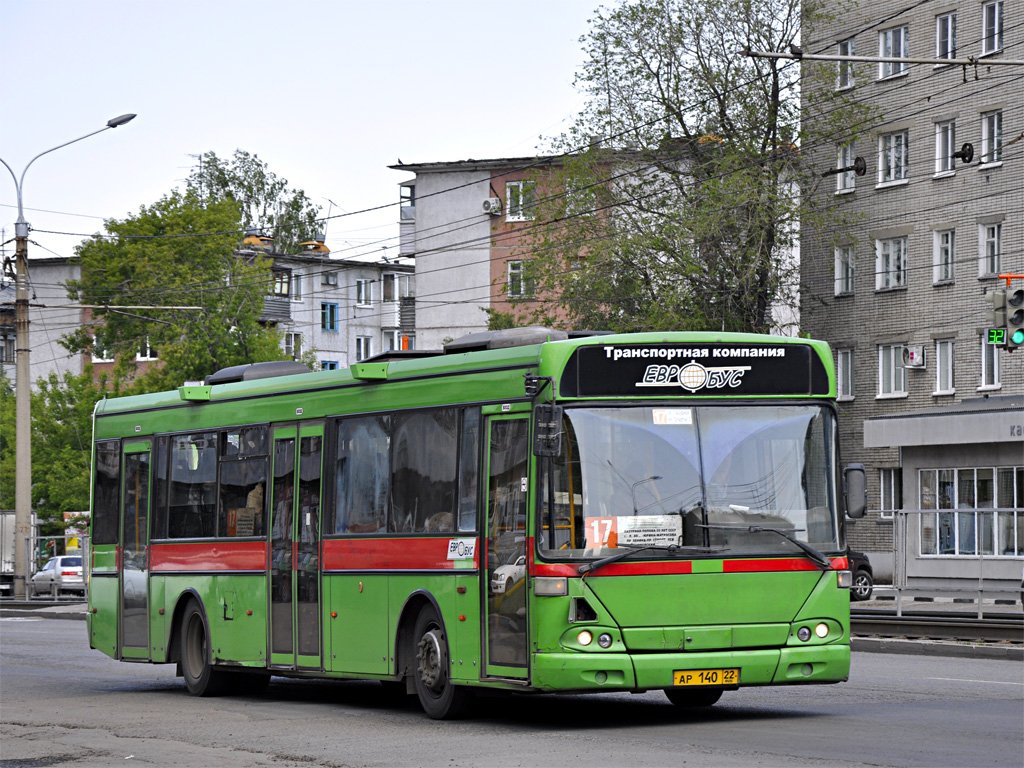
944,362
398,340
519,284
100,354
296,286
992,27
844,69
844,374
945,146
945,36
893,43
967,511
7,350
146,351
846,181
890,263
989,365
844,270
893,156
891,373
329,278
890,491
943,255
293,345
364,295
394,286
520,197
992,136
364,347
990,248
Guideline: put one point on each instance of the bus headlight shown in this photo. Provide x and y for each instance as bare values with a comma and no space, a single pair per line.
585,637
604,640
804,634
821,630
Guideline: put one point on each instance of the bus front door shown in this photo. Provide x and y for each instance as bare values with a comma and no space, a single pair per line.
505,569
133,563
294,567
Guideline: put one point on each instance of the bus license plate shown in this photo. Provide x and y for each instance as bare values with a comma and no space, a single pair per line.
694,677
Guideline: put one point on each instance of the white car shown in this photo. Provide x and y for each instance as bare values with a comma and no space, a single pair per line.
60,574
507,575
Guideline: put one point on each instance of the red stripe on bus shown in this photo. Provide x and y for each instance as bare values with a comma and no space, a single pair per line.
209,556
390,554
767,565
617,569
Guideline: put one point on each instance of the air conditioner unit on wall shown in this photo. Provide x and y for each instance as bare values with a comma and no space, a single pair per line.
492,205
913,356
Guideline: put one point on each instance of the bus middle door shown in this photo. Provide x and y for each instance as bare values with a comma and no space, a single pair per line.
294,567
133,562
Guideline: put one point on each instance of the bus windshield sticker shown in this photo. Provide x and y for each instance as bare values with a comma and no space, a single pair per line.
461,549
634,531
670,417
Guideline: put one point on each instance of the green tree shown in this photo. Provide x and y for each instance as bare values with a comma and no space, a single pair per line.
684,214
264,199
178,252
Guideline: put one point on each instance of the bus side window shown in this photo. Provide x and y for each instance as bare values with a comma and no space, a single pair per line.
362,475
469,469
243,482
106,488
192,504
424,471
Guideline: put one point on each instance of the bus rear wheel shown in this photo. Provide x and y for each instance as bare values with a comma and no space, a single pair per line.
201,678
692,699
440,699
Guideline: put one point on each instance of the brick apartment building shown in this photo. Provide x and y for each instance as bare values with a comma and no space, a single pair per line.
934,412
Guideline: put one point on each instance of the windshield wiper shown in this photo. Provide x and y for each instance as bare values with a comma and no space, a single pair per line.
626,551
819,558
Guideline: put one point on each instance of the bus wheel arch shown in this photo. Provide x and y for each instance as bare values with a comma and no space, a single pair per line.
405,644
174,627
440,698
202,678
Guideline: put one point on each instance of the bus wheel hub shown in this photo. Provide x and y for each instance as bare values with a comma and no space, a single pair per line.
429,658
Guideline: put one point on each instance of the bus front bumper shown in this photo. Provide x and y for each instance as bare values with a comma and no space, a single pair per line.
624,671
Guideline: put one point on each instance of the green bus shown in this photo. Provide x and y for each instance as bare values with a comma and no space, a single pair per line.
528,510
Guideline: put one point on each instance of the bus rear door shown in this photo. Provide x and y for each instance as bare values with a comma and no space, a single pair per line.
294,567
505,568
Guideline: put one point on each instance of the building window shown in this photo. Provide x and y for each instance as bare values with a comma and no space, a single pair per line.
943,255
282,280
296,286
992,27
844,270
989,365
844,374
328,365
394,286
519,284
893,43
945,36
890,496
890,263
945,146
844,73
364,347
7,351
364,292
100,354
992,137
990,249
944,361
846,181
893,157
398,340
976,510
520,197
891,374
293,345
146,351
329,316
329,278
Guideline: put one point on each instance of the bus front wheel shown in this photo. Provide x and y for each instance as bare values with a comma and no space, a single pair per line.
690,698
201,679
440,699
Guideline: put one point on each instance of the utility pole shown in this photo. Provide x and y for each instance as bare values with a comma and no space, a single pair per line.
23,393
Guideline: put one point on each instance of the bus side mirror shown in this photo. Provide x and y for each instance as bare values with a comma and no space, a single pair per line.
856,487
547,436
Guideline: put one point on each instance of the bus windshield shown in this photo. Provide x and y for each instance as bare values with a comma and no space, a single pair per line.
704,479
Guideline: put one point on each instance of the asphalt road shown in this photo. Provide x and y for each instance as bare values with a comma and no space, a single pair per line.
64,705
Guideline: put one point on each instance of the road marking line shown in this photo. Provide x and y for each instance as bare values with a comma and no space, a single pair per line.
965,680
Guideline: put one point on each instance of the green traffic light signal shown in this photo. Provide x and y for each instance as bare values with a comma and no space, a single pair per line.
1015,319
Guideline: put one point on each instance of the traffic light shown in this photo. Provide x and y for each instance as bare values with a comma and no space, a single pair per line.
996,317
1015,319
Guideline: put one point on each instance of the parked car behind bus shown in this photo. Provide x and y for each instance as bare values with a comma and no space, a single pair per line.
60,574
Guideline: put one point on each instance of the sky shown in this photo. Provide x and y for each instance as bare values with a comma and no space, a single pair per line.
327,93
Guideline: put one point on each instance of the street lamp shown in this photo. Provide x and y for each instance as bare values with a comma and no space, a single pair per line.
23,413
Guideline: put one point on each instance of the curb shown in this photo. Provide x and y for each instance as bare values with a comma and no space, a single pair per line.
938,648
42,613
